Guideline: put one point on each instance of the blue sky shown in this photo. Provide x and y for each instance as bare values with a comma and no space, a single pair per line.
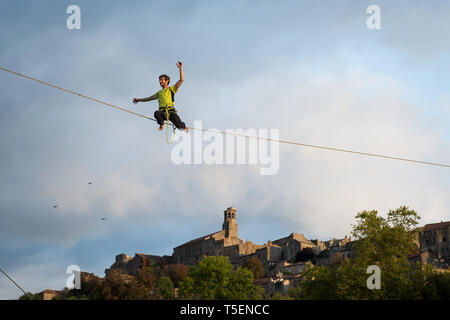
312,70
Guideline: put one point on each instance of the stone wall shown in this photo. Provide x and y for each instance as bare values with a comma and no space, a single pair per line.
435,244
222,243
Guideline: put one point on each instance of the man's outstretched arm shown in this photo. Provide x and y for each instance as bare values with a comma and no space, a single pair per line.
136,100
179,82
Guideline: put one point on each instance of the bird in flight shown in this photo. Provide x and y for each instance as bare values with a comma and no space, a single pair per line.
55,206
103,218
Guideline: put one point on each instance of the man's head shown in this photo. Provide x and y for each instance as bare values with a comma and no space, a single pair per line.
164,80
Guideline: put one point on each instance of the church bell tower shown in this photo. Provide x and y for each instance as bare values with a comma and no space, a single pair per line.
229,223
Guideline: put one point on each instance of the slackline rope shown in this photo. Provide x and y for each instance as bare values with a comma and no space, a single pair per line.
232,133
13,281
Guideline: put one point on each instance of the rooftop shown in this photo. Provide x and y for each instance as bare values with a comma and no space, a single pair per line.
436,226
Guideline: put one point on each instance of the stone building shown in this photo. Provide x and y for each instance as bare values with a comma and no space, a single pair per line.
49,294
318,246
294,268
292,244
269,254
434,244
221,243
226,242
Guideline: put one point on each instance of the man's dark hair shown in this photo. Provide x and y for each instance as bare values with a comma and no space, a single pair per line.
165,76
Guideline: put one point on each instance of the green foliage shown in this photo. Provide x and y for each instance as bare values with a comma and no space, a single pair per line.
318,282
187,288
117,286
71,297
30,296
164,287
241,285
70,294
279,296
387,243
437,286
215,279
212,277
381,240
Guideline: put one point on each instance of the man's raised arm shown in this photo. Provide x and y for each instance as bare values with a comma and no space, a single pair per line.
179,82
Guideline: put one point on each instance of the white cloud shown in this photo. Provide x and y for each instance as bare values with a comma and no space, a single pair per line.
417,30
366,113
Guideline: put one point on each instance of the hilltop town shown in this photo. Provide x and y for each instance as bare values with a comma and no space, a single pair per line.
279,257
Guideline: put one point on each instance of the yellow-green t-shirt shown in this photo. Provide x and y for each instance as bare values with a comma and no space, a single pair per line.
164,97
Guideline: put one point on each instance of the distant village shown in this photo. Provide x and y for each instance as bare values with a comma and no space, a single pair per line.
279,257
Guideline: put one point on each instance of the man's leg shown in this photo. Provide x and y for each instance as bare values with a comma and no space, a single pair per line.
160,116
177,121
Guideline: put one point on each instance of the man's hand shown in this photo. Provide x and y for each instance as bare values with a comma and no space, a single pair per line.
179,64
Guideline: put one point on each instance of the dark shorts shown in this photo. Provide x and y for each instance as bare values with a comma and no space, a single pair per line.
161,116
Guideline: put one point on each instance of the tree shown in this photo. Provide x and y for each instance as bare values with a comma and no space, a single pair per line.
187,288
319,283
241,285
437,286
255,266
71,294
146,278
386,243
176,272
118,286
164,287
30,296
214,278
306,254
